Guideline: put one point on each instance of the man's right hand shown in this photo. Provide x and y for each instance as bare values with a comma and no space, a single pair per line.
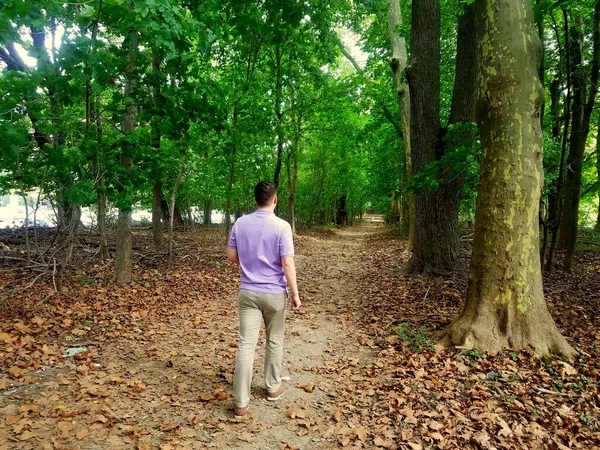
296,303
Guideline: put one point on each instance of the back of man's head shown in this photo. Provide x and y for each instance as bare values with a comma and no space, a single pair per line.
264,193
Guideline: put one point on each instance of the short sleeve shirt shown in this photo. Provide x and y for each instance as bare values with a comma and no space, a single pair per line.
261,240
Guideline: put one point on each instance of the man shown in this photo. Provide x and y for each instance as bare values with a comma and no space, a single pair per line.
262,245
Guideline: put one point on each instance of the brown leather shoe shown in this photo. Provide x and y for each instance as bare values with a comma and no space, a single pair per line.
240,412
274,396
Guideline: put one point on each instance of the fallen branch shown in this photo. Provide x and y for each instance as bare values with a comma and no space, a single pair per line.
540,390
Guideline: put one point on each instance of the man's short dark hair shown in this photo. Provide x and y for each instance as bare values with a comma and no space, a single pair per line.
264,193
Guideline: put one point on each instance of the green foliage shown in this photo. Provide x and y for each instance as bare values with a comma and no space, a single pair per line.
198,63
416,339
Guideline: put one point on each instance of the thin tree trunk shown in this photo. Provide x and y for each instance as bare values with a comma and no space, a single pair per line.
123,258
104,253
231,172
505,305
278,114
172,211
293,157
582,112
26,227
157,214
207,213
598,174
250,67
542,63
69,246
398,65
555,214
35,222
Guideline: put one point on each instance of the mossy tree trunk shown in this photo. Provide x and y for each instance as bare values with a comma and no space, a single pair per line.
505,305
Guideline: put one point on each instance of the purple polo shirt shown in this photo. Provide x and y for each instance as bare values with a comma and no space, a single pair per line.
261,240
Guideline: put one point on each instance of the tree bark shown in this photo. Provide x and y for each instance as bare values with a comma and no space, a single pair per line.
582,113
123,258
207,219
555,213
598,174
278,114
431,251
505,305
542,62
231,172
172,211
436,244
398,65
293,158
157,213
69,245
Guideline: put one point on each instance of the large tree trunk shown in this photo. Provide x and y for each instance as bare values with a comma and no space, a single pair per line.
436,244
398,65
123,258
582,113
505,305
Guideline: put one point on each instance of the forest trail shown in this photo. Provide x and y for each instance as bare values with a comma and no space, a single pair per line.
159,367
167,384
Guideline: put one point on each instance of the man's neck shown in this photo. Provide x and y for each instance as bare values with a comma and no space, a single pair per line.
268,209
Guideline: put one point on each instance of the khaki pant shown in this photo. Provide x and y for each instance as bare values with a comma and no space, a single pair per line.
254,308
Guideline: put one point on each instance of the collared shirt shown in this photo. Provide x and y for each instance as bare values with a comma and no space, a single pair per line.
261,240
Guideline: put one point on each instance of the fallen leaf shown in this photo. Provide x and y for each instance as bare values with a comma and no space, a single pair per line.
245,437
222,395
206,397
361,433
168,426
296,413
344,441
26,435
15,372
81,434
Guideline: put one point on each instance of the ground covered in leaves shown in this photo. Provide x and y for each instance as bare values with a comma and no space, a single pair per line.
157,361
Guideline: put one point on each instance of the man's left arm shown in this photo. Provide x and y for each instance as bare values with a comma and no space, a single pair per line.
232,255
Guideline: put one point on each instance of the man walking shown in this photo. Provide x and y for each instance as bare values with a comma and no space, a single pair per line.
262,244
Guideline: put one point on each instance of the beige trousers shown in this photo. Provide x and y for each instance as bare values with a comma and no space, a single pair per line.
256,307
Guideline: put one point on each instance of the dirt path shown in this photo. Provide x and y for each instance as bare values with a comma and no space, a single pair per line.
167,384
